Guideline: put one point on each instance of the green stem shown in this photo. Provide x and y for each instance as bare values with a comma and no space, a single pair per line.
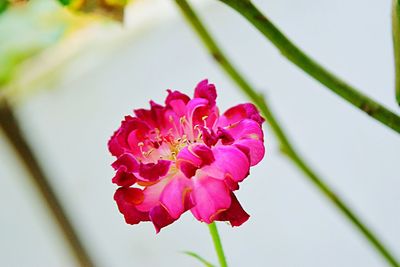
285,144
217,244
310,66
396,44
12,130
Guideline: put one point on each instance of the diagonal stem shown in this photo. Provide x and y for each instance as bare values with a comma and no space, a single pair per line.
12,130
285,144
310,66
396,45
217,244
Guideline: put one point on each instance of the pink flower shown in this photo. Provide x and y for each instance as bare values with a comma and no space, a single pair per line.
185,156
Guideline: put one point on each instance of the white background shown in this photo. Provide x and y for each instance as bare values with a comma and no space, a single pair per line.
291,223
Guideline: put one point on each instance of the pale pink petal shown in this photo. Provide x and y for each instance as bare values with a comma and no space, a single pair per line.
151,195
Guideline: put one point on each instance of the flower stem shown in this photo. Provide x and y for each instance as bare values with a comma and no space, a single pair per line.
310,66
285,144
396,44
217,244
12,130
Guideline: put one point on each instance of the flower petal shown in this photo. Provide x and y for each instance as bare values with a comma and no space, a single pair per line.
235,214
193,157
123,178
154,171
248,133
127,161
240,112
176,95
211,196
127,198
207,91
229,162
176,196
160,217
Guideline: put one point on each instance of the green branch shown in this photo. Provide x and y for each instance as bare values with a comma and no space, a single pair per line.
12,130
396,44
285,144
217,244
314,69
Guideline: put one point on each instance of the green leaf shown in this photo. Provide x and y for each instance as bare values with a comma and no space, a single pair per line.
196,256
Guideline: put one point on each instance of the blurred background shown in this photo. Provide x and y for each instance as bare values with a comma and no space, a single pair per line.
72,77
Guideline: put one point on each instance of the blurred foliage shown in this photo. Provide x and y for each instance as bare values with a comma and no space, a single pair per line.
26,30
29,29
109,8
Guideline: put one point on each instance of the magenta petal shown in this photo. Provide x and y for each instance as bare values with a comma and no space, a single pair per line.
153,171
240,112
248,133
127,161
256,149
123,178
160,217
210,196
208,136
193,157
126,199
113,145
188,162
229,161
235,214
204,153
192,106
225,136
207,91
176,95
152,116
174,196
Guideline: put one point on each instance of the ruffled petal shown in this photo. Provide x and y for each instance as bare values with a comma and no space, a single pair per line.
230,162
256,149
207,91
160,217
235,214
127,198
240,112
211,196
174,96
154,171
127,162
118,143
176,196
123,178
193,157
248,133
153,116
